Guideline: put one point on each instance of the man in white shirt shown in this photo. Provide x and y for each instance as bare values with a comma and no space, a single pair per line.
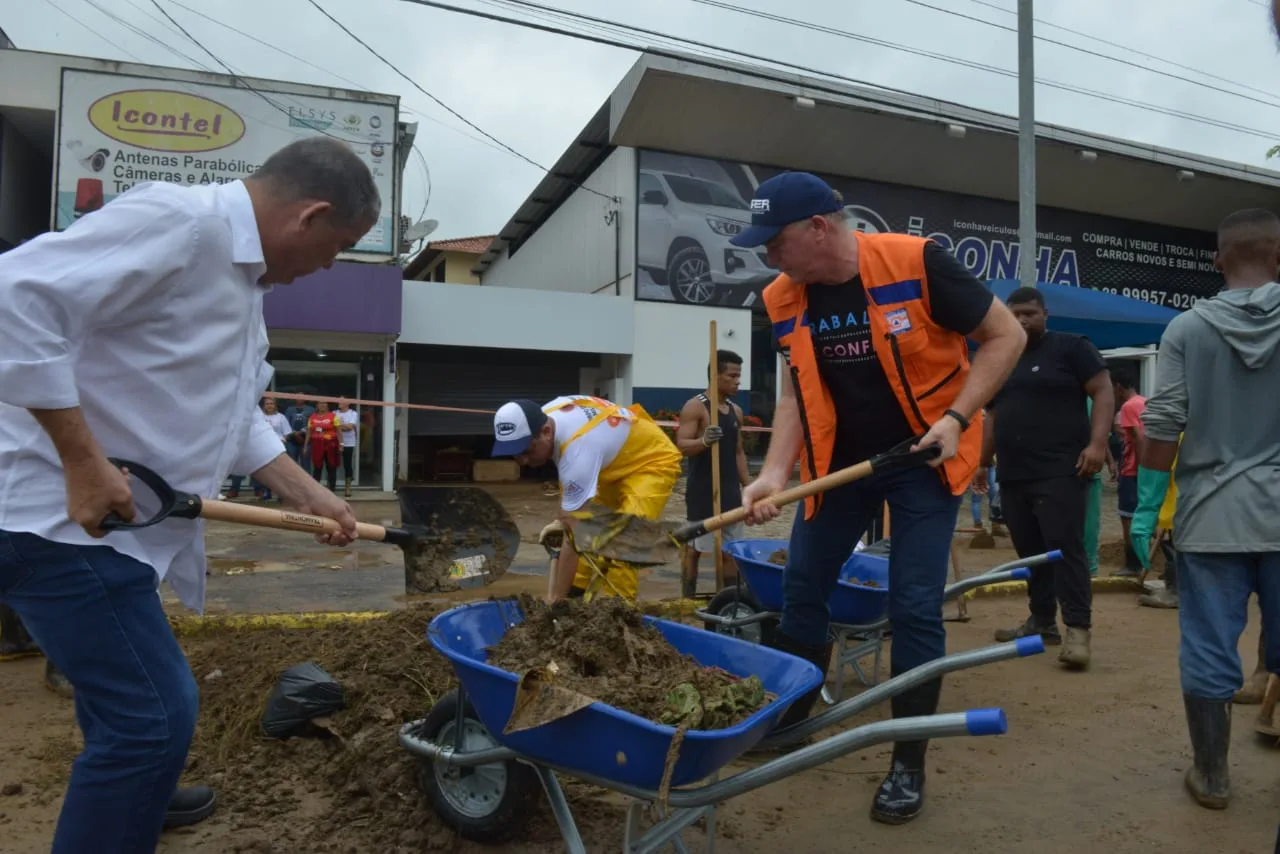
348,421
120,337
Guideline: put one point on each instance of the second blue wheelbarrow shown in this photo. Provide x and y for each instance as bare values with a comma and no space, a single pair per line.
484,782
858,605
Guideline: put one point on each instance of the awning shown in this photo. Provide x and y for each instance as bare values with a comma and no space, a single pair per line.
1109,320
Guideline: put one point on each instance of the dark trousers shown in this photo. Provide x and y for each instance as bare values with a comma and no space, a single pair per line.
324,460
922,518
1043,515
348,463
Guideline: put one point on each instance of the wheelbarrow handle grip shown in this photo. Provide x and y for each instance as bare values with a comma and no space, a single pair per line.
286,520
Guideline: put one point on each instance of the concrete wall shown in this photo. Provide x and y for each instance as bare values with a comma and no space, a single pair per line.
25,176
515,319
673,346
574,249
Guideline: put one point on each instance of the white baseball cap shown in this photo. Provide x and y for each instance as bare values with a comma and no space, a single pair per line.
514,426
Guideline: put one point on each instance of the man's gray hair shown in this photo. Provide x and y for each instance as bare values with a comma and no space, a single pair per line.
328,170
840,217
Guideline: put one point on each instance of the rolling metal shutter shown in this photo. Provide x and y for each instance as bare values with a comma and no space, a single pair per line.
470,386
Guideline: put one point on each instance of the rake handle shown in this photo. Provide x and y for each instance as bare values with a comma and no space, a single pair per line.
283,520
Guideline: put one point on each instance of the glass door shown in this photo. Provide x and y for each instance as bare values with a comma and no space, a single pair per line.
333,379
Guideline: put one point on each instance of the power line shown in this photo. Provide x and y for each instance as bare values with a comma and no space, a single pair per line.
330,72
242,81
442,104
755,59
1118,46
1088,52
90,29
138,31
981,66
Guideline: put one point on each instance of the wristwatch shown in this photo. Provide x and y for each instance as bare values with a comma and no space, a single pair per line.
964,422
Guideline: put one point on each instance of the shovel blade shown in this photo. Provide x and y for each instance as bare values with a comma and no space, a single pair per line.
463,538
623,537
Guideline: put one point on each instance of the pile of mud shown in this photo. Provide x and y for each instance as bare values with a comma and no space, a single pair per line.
605,651
353,790
356,786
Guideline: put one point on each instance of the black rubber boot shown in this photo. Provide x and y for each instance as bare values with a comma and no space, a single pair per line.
1209,723
900,797
820,656
189,806
799,710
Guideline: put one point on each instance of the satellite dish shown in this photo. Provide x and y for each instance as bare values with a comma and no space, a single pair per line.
419,230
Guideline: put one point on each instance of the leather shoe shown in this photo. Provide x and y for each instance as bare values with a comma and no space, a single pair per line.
190,805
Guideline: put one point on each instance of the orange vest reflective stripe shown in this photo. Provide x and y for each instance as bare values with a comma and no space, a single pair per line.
926,365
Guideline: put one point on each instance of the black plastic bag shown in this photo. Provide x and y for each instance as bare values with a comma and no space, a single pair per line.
304,692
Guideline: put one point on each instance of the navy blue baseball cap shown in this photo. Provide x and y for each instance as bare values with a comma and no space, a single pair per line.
782,200
514,426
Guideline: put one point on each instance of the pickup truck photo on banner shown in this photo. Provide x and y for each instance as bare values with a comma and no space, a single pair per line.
115,131
689,207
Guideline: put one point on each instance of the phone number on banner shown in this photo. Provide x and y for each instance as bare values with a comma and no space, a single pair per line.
1156,296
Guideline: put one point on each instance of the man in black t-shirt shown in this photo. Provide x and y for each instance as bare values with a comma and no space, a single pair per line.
1049,448
839,406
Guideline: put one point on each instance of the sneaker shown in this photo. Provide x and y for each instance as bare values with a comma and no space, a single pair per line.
1075,649
1161,598
1048,633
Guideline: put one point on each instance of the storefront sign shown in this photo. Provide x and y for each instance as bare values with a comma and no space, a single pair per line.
116,131
689,207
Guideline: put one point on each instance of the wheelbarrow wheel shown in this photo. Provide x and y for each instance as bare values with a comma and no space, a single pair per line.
728,603
488,804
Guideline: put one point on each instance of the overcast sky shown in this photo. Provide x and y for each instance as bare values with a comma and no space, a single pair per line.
535,91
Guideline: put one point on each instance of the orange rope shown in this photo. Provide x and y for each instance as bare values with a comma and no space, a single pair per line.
320,397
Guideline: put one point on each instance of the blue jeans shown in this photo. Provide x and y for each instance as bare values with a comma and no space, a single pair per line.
993,498
922,520
1213,603
96,616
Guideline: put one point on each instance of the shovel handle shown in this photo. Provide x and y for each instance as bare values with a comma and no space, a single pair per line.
900,456
283,520
779,499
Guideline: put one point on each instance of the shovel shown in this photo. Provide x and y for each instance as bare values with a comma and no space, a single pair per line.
453,537
644,542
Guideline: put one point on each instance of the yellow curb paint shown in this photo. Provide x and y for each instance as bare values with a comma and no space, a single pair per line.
184,625
666,608
1104,584
18,656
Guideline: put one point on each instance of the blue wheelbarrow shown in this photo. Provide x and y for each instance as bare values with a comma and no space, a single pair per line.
485,784
858,605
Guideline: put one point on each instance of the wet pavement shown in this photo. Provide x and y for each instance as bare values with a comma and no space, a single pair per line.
253,571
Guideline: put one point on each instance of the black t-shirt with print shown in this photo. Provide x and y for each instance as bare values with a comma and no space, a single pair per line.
869,419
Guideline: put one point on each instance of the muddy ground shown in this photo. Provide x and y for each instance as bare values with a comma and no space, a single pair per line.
1091,760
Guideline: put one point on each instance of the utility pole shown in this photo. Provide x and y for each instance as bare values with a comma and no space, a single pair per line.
1026,146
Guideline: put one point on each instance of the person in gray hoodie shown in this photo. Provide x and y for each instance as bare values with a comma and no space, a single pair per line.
1216,381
